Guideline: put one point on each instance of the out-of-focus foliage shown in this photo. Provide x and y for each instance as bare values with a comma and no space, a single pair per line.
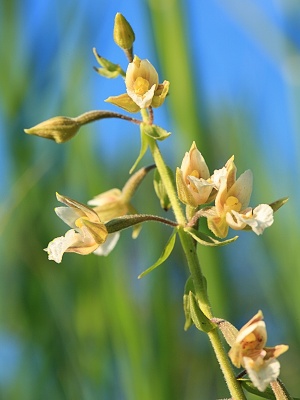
88,328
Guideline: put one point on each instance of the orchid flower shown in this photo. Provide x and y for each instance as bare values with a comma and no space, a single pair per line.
142,87
88,233
249,351
231,204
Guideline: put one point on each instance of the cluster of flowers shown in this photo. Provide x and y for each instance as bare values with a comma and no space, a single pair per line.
197,187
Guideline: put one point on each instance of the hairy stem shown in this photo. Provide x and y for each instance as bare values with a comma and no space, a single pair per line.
197,275
95,115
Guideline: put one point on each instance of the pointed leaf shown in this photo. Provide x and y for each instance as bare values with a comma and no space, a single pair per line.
248,385
189,287
278,203
109,69
183,191
165,254
206,240
155,132
144,147
200,320
106,73
160,190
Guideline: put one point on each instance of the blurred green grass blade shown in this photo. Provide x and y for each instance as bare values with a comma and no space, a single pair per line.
172,45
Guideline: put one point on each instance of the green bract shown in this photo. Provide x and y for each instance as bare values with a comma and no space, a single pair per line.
155,132
164,255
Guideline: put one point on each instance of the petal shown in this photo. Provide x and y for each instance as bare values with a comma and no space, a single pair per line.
143,101
79,208
254,335
92,232
235,220
68,215
160,94
59,245
147,71
124,101
140,68
231,172
262,218
242,188
105,248
221,197
275,351
109,205
106,197
217,176
203,189
249,342
218,226
184,193
194,161
262,372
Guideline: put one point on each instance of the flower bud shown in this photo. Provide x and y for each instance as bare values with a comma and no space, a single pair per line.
123,33
59,129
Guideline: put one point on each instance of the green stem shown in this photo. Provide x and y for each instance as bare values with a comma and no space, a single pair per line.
197,275
95,115
168,181
199,280
127,221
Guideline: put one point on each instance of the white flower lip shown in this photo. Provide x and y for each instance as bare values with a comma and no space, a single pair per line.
87,232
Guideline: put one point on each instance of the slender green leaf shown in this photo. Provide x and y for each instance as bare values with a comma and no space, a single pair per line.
206,240
189,287
160,190
248,385
165,254
200,320
144,147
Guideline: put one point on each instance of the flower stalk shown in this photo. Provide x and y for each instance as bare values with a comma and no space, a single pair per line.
280,391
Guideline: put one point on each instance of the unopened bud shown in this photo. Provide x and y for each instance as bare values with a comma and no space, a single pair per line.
59,129
123,33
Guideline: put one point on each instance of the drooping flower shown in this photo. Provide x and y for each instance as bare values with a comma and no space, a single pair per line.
194,185
142,87
249,351
88,233
231,204
115,203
